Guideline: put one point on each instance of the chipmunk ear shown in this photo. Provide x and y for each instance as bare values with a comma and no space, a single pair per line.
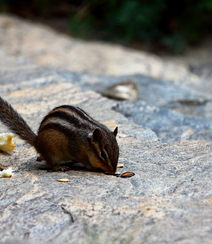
115,132
97,134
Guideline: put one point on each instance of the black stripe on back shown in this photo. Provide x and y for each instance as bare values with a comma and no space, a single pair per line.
77,110
64,116
82,115
57,127
88,117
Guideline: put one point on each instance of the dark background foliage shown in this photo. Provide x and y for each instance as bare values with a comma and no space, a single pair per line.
157,24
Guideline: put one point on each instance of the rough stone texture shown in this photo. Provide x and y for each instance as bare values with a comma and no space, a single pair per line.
170,125
45,47
173,110
169,198
167,201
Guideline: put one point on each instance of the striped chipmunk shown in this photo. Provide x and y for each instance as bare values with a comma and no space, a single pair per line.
67,133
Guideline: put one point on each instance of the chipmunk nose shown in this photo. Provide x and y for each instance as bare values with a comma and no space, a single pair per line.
110,169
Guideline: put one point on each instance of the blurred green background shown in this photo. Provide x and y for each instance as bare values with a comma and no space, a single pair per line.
156,25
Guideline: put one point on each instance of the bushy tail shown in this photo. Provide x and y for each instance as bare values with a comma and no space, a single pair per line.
15,122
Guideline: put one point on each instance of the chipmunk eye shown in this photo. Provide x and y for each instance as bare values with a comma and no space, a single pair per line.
103,155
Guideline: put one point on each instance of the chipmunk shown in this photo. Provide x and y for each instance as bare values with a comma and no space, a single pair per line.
67,133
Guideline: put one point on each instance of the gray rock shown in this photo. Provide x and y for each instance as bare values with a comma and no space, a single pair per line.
47,48
167,201
168,124
170,193
173,110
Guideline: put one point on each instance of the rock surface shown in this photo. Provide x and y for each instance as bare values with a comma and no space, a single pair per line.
167,201
174,110
45,47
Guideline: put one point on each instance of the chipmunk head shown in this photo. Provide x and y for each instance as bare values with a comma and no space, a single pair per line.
105,149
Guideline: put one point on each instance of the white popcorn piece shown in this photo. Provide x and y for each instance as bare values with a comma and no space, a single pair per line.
6,173
6,142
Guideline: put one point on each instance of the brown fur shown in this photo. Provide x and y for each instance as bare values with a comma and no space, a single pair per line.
55,142
67,133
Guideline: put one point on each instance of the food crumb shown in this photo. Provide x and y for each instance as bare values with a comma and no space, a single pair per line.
6,142
62,180
6,173
127,175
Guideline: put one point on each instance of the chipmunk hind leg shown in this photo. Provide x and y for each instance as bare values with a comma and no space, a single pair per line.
53,147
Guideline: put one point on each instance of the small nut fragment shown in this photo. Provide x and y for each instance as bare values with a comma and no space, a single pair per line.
120,166
127,174
63,180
